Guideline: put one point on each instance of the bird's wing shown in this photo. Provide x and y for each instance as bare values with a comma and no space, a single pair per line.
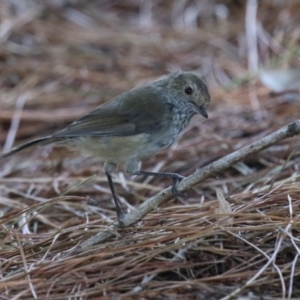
141,110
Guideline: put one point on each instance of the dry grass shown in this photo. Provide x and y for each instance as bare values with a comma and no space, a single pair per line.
58,62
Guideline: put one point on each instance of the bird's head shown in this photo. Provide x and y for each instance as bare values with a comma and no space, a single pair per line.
189,87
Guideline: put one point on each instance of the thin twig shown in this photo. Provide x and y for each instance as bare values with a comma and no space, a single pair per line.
200,175
251,34
11,135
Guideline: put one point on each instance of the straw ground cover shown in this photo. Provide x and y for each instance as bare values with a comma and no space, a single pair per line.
237,233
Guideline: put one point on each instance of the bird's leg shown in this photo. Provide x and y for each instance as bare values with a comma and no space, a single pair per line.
119,211
176,179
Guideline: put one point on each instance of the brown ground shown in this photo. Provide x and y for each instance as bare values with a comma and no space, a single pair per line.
60,59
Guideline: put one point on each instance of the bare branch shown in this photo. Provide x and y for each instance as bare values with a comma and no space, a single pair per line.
209,171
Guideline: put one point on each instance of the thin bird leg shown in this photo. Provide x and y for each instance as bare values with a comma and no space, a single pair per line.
119,211
176,178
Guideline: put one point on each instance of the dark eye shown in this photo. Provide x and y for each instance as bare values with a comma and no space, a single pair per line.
188,90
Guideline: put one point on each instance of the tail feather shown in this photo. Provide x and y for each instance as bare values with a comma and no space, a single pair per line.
42,141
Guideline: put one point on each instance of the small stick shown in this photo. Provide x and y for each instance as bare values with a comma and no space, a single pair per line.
212,170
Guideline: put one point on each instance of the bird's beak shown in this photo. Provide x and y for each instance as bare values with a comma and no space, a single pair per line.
200,110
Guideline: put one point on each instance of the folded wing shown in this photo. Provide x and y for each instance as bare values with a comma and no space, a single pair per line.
137,111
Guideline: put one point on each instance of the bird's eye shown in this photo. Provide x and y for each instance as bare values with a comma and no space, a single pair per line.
188,90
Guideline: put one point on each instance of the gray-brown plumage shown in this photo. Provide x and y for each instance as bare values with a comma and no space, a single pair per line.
134,125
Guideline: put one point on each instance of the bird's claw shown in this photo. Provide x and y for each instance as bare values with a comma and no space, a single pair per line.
177,179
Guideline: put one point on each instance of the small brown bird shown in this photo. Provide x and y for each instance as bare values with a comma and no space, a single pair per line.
134,126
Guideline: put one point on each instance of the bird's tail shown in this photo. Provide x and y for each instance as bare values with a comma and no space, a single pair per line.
42,141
